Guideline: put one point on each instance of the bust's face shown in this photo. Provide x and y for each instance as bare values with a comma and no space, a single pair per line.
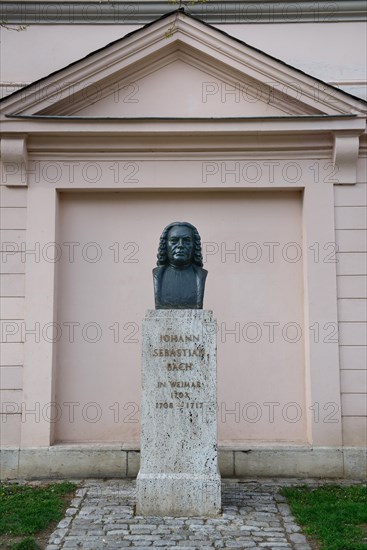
180,246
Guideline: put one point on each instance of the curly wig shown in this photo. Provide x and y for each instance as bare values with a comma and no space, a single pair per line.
162,256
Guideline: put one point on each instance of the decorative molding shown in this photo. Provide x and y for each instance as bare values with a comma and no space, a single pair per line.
7,88
66,90
213,11
363,145
94,126
189,148
345,158
14,158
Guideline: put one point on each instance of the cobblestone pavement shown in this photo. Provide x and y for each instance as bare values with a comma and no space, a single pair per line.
254,515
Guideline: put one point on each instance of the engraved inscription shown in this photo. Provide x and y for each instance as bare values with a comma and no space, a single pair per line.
180,352
180,384
178,338
178,366
183,391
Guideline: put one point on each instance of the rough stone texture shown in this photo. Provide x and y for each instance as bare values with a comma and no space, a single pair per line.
72,461
226,463
355,462
254,515
9,463
252,461
133,463
298,462
179,467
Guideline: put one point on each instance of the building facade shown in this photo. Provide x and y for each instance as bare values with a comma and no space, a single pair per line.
247,120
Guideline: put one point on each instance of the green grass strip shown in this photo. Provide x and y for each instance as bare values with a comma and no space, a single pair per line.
25,510
334,516
27,544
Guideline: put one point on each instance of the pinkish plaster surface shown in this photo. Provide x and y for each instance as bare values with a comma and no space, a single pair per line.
251,300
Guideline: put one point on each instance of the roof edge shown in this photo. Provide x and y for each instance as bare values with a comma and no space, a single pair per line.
184,11
220,12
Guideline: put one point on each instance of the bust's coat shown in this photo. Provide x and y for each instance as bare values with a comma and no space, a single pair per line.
159,293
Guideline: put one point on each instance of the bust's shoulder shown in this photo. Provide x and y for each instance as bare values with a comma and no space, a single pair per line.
158,270
200,272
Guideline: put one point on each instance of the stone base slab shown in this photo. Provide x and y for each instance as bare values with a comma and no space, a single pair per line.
184,495
120,461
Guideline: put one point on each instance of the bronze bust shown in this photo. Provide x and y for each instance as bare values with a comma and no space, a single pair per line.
179,279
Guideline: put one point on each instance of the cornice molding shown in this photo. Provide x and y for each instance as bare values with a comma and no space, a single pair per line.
302,138
213,11
93,126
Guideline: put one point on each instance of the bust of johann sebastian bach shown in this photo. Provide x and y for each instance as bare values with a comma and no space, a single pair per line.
179,279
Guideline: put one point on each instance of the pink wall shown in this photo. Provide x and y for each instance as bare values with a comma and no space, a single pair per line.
255,368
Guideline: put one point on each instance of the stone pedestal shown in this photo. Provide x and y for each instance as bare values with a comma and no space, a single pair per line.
178,469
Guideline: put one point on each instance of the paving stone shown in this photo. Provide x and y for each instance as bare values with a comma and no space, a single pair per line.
247,543
297,537
274,545
71,511
284,509
280,498
254,515
188,543
292,528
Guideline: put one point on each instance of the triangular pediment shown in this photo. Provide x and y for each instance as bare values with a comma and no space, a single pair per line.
179,67
176,86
